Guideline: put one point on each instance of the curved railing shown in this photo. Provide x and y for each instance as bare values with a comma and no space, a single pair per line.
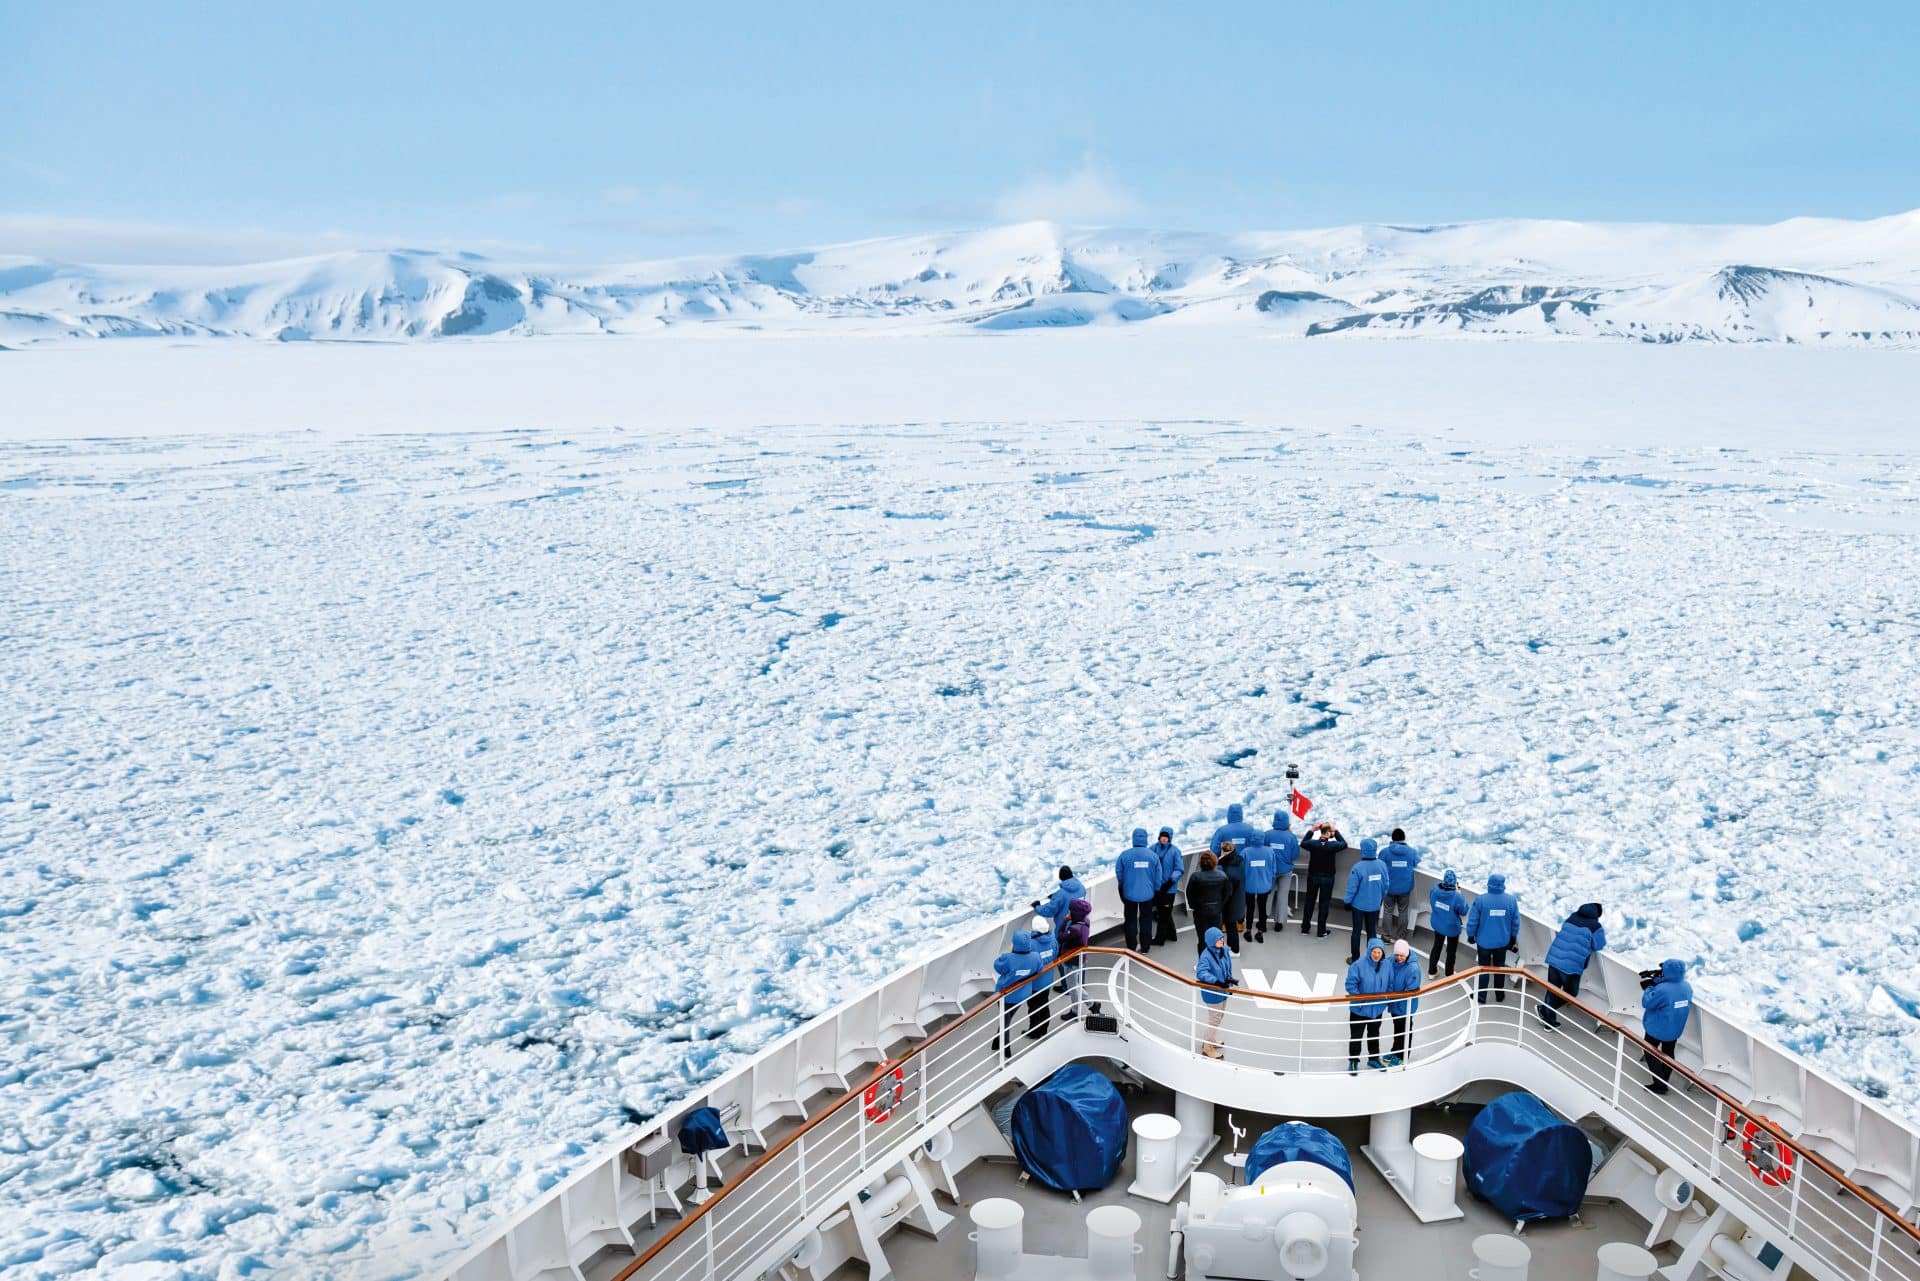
1834,1224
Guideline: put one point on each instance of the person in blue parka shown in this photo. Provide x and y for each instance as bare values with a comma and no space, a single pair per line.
1665,1007
1493,928
1259,858
1234,865
1567,958
1369,975
1286,852
1405,971
1046,950
1055,908
1138,872
1396,910
1215,968
1448,909
1015,968
1172,868
1235,829
1366,890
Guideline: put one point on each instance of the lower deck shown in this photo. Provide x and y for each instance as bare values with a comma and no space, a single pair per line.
1393,1243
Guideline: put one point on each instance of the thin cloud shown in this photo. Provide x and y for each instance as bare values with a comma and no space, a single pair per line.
1089,194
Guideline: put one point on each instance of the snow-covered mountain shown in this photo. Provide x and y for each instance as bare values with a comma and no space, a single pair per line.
1824,281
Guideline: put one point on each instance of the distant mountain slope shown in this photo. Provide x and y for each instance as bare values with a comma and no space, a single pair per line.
1807,280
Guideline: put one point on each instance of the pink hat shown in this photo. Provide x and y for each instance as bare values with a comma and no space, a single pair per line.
1401,949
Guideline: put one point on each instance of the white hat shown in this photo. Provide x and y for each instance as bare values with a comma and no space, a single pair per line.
1041,925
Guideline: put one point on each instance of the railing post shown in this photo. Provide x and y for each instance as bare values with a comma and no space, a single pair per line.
800,1160
1793,1207
860,1130
1619,1066
920,1104
1193,1020
1873,1261
706,1244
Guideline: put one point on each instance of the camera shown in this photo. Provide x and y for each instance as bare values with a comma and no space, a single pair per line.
1648,978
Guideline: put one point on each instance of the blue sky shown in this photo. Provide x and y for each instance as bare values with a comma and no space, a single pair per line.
570,130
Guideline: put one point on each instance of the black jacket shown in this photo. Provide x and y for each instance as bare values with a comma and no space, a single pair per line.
1320,854
1207,893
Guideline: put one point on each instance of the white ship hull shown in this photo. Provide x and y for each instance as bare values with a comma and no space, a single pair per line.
814,1187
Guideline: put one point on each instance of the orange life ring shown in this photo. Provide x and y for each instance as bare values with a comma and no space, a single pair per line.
879,1106
1770,1160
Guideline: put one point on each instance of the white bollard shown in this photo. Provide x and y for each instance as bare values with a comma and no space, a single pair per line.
1436,1165
1110,1245
1620,1261
1500,1258
1156,1159
1388,1132
998,1238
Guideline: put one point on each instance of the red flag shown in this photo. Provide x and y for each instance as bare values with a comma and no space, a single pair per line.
1300,805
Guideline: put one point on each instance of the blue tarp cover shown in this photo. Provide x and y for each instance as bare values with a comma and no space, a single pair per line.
1070,1131
1298,1141
702,1132
1525,1161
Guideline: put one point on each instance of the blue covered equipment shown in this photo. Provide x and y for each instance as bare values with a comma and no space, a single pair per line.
702,1132
1070,1131
1298,1141
1525,1161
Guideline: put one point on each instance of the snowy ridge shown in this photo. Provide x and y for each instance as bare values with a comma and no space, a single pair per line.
1817,281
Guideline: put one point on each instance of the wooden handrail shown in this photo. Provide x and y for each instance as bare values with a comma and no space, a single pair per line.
1454,980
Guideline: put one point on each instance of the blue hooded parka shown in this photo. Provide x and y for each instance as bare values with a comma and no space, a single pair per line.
1260,864
1368,977
1449,907
1367,882
1285,845
1235,829
1214,966
1406,978
1016,969
1172,866
1046,950
1400,858
1577,941
1138,870
1055,908
1665,1007
1493,922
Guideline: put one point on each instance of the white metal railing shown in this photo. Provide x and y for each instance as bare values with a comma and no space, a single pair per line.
1829,1223
1829,1212
760,1214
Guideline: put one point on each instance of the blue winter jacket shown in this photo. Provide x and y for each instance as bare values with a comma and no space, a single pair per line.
1577,941
1055,908
1046,950
1260,865
1235,829
1214,966
1494,919
1172,866
1016,969
1449,907
1665,1006
1138,870
1406,978
1367,882
1285,845
1400,858
1368,977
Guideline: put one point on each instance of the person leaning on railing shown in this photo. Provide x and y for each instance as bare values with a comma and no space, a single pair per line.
1404,972
1368,975
1665,1006
1567,956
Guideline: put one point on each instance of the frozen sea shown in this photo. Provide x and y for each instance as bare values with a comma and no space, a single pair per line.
420,762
